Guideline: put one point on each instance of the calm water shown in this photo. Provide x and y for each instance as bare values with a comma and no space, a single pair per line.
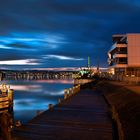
31,97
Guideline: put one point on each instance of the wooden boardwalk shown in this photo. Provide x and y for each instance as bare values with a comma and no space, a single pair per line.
84,116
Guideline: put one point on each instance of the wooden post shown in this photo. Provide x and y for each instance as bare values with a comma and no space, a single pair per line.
10,96
65,96
50,106
59,101
4,89
65,90
18,123
73,89
70,91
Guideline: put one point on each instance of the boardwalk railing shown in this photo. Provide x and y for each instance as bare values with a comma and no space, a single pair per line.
68,92
71,91
82,81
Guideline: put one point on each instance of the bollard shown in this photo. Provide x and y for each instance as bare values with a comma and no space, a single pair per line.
65,93
50,106
65,90
70,91
65,96
59,101
73,90
18,123
78,88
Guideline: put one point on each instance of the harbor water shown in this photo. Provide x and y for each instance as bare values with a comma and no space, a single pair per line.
33,97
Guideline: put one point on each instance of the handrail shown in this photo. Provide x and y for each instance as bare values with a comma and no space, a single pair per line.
71,91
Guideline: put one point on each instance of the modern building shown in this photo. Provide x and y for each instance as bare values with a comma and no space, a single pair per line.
124,55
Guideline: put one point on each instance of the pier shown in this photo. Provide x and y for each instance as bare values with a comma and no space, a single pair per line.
36,75
82,114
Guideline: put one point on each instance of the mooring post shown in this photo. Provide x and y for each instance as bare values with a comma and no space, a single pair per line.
50,106
65,94
59,101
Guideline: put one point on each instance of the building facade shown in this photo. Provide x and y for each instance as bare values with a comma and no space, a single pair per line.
124,55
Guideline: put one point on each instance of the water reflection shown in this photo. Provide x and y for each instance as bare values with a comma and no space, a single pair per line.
31,97
55,81
26,87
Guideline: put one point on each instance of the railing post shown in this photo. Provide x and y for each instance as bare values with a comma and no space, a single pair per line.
50,106
59,101
70,91
65,94
10,96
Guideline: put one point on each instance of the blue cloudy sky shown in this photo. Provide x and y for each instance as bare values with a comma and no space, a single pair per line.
62,33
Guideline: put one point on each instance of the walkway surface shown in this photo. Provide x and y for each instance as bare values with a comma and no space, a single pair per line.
133,87
81,117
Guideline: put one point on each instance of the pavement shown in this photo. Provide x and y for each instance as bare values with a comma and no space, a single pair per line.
133,87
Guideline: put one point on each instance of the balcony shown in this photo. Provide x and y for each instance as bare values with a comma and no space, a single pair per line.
121,45
119,55
116,46
120,65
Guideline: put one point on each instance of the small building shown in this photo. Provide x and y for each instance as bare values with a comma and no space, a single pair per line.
124,55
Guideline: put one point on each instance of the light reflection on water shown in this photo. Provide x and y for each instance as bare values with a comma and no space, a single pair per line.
33,96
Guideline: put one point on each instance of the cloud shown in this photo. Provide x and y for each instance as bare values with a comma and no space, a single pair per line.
62,57
4,47
64,31
26,87
20,62
32,42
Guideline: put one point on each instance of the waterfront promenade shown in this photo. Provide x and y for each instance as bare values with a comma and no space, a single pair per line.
83,116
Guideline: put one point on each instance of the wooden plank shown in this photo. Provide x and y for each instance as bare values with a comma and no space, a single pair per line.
4,104
4,99
3,110
83,116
